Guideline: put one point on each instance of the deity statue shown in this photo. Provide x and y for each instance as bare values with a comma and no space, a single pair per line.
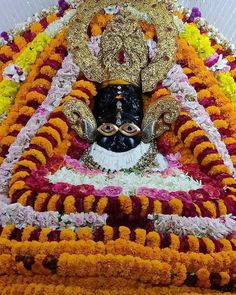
122,134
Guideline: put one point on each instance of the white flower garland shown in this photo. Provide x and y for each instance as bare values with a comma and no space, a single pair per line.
53,29
61,85
197,226
16,214
129,182
177,83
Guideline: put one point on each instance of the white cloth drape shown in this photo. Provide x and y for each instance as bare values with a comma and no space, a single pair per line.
220,13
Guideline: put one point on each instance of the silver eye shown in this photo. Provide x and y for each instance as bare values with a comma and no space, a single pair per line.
129,129
107,129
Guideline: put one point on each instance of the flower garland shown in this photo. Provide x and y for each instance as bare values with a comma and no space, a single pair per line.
177,82
188,243
188,56
31,255
113,287
125,183
21,217
38,21
33,92
44,142
198,227
203,46
208,102
79,199
11,51
203,150
194,16
28,57
61,85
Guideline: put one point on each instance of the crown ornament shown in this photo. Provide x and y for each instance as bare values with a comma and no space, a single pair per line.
123,53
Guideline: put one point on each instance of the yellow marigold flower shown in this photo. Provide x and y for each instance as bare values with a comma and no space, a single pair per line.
37,154
52,204
180,274
102,203
108,233
140,236
203,276
203,94
185,126
24,197
124,233
18,185
153,239
67,235
188,140
176,205
157,207
60,124
43,237
44,143
88,203
86,84
225,278
210,158
36,28
40,199
7,230
218,169
69,205
175,242
85,233
20,42
201,147
126,204
25,110
210,207
220,124
16,176
8,140
27,232
51,131
213,110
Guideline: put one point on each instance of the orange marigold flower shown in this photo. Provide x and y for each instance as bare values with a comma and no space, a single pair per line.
36,28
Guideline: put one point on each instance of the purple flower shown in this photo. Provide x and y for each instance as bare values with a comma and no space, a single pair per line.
195,13
5,36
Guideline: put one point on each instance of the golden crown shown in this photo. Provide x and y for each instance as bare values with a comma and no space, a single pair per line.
124,51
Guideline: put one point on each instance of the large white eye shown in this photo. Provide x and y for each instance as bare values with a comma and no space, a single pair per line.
129,129
107,129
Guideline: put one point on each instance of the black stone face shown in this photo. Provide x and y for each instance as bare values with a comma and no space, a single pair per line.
118,105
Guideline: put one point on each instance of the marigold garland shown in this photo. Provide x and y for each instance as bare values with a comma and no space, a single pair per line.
107,233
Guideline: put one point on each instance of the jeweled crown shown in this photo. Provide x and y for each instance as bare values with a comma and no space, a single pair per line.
123,50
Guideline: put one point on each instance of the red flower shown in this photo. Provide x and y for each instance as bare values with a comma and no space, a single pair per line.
62,188
82,190
55,163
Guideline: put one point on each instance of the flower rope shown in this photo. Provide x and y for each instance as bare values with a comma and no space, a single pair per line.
177,82
61,85
196,226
